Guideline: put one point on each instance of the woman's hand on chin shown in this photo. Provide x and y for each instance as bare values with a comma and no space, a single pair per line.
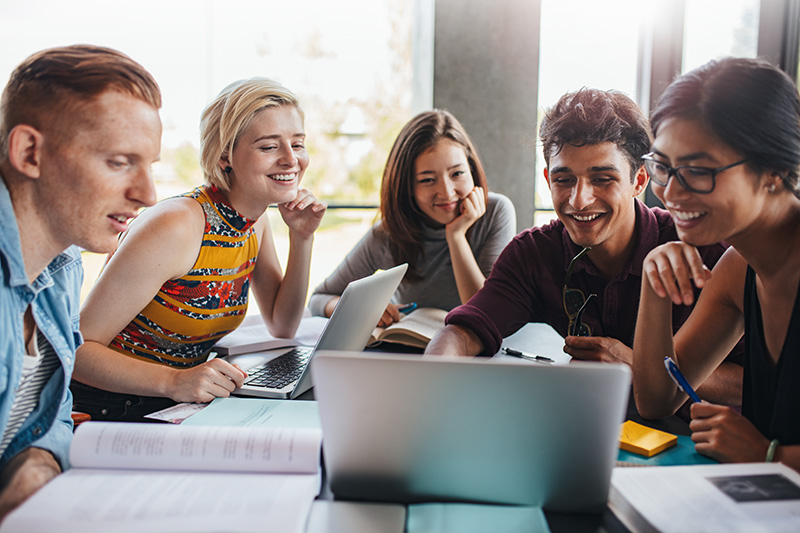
303,214
472,207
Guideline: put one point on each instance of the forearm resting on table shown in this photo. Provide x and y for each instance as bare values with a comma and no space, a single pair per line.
25,473
100,366
455,340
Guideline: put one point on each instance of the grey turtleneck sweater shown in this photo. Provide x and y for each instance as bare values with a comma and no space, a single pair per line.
437,288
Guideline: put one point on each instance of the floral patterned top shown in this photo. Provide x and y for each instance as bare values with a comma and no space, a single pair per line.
190,314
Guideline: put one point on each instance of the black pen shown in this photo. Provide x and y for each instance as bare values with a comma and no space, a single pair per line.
516,353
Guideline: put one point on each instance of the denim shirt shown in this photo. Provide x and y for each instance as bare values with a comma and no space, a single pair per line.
54,298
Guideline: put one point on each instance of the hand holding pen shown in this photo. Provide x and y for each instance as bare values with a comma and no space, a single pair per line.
393,313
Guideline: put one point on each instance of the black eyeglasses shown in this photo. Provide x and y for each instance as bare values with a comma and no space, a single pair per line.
700,180
575,302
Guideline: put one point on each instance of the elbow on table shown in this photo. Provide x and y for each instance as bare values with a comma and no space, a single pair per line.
650,408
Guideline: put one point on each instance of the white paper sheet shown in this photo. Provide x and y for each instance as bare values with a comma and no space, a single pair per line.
690,498
108,501
210,448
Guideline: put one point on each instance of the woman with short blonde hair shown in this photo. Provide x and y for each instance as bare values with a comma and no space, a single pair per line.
180,278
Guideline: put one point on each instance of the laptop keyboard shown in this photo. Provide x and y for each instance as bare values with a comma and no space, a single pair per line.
280,371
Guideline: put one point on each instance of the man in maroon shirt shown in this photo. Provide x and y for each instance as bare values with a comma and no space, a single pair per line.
582,273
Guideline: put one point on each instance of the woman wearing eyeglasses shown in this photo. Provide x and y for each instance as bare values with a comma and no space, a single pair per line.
725,163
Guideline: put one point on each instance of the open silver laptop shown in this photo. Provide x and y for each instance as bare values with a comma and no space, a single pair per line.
410,428
285,374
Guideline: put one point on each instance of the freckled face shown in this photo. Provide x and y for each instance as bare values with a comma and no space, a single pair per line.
96,175
442,178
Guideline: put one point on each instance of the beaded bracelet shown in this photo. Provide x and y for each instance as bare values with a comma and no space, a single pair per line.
773,445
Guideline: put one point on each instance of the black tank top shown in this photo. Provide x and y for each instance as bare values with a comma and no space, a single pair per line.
771,395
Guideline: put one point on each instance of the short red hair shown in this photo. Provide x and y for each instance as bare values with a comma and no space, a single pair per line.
49,87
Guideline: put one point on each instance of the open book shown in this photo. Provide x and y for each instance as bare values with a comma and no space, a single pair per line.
162,477
252,336
724,497
417,328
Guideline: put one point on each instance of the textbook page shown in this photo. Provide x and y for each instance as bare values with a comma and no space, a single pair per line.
417,328
138,446
89,501
725,498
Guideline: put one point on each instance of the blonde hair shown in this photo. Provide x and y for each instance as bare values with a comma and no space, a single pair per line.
230,114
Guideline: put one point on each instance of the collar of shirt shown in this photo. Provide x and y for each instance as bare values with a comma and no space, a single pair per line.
11,249
10,245
646,235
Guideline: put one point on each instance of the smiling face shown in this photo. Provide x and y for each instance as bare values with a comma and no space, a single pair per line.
442,178
96,174
268,160
733,204
593,194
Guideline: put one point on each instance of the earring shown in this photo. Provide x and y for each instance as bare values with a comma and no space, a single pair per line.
227,169
771,187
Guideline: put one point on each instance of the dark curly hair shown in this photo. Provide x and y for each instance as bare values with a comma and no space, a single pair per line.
592,116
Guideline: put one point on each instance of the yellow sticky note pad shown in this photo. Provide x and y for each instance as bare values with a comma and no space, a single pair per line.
636,438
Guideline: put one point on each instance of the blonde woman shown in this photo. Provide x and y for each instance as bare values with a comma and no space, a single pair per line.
179,279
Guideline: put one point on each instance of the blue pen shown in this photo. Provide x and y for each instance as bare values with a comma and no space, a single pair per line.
680,381
407,308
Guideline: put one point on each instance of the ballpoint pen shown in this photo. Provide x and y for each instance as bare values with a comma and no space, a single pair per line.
679,379
407,308
516,353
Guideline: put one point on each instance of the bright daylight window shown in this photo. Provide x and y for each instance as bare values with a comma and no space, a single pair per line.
719,28
584,43
349,61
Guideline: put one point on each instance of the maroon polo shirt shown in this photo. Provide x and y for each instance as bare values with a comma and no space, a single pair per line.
525,284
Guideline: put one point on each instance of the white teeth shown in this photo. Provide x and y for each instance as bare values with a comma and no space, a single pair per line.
587,218
687,215
120,218
283,177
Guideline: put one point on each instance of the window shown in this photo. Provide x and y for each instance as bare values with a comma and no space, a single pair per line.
719,28
583,43
349,62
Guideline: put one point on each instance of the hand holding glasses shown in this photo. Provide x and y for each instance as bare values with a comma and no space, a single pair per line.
575,302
